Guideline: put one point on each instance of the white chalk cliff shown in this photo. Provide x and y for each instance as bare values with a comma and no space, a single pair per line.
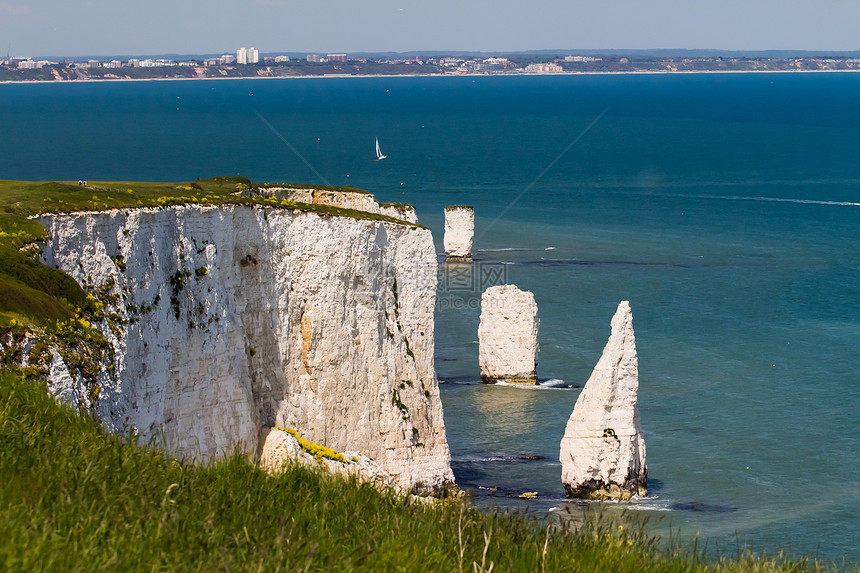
459,230
508,336
229,320
603,451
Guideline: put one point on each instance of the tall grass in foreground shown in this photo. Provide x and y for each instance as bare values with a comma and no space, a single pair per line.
73,498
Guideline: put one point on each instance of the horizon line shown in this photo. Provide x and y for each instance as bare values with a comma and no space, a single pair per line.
715,52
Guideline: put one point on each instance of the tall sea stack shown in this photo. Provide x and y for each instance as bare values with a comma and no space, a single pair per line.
508,336
603,452
459,230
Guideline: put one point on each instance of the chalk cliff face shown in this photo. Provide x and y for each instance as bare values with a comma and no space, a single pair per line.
603,451
508,335
228,320
459,230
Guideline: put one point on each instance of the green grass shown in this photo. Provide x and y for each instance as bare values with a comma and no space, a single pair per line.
398,205
26,198
74,498
31,292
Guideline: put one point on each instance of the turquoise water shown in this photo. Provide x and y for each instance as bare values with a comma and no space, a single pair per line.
723,207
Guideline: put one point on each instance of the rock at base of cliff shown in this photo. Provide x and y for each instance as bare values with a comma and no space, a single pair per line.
603,451
459,230
508,336
281,446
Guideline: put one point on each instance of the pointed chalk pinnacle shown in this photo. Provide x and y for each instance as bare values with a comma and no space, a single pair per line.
603,452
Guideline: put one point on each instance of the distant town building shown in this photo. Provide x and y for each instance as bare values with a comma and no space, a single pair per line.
580,59
544,68
247,56
94,63
227,59
282,58
313,57
159,63
134,63
336,57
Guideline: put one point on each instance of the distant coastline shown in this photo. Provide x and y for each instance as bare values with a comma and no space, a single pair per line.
430,75
28,70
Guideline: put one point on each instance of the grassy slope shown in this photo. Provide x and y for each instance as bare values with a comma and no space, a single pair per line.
73,498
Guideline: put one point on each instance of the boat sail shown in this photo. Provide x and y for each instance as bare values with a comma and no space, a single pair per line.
379,155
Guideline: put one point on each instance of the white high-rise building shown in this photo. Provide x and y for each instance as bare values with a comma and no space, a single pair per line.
247,56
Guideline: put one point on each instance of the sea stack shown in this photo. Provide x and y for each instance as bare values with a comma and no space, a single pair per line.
508,336
459,230
603,452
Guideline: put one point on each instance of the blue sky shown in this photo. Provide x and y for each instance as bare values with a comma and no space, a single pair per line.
121,27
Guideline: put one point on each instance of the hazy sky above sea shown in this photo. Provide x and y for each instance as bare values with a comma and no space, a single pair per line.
119,27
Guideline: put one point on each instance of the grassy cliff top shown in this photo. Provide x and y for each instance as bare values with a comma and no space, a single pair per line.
398,205
35,294
28,198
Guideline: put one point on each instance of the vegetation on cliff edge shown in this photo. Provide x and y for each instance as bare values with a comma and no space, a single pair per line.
74,498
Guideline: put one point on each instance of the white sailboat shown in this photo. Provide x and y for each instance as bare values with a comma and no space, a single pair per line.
379,155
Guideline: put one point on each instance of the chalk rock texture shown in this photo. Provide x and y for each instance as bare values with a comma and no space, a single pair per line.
230,319
508,336
459,230
402,211
279,447
603,451
346,198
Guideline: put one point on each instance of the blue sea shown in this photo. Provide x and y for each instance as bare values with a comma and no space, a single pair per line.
724,207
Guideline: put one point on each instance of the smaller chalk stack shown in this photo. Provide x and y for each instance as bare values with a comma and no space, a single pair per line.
459,230
508,336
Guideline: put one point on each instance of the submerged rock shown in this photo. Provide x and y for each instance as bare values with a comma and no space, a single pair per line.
603,451
508,336
459,230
